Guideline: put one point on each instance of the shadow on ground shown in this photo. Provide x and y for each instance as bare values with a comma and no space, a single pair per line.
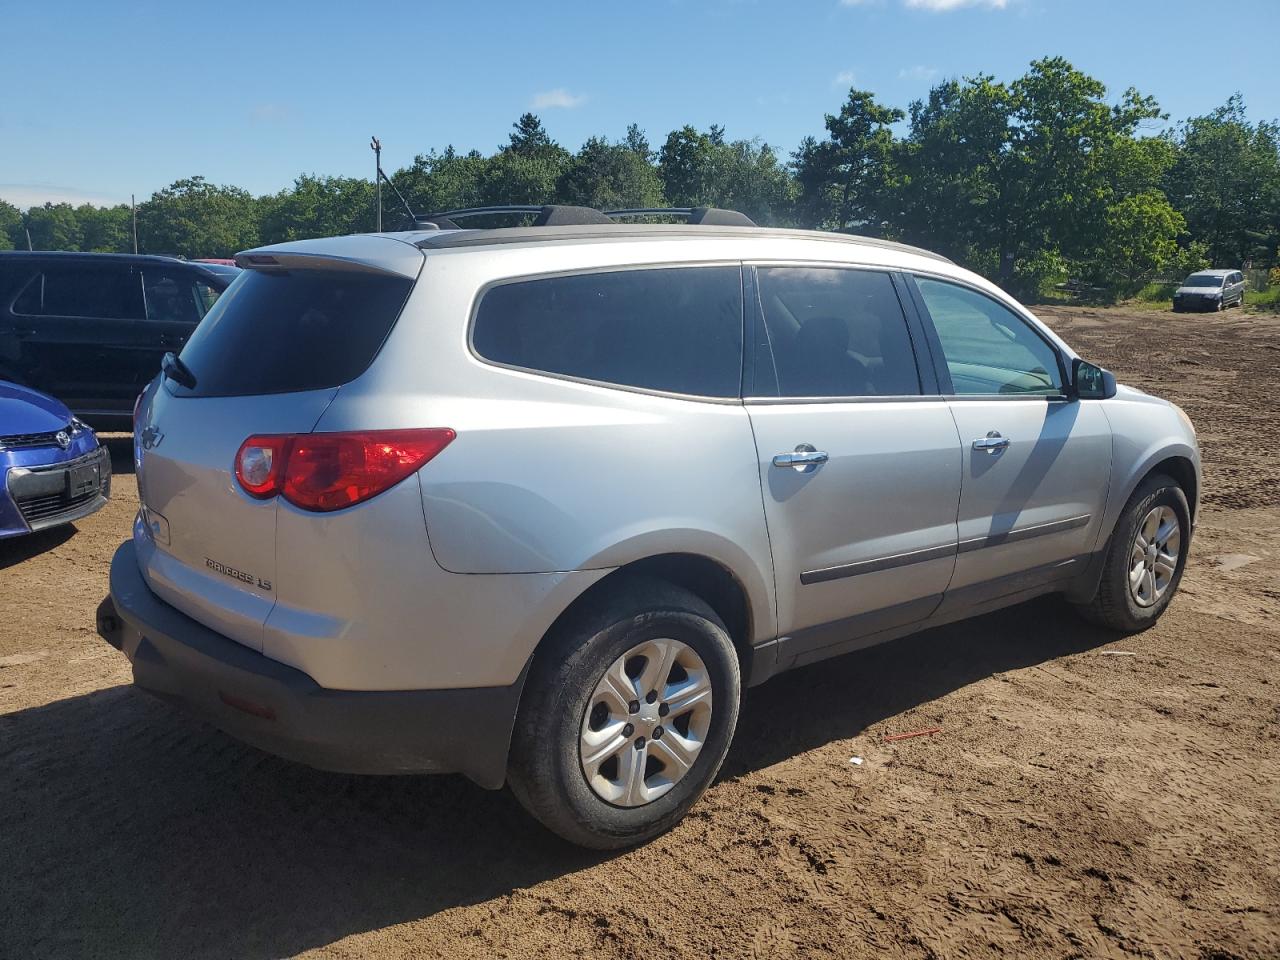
127,829
15,550
120,447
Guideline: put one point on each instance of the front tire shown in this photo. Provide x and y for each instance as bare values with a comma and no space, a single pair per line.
1145,558
627,715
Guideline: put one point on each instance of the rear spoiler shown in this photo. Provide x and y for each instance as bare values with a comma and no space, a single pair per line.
363,253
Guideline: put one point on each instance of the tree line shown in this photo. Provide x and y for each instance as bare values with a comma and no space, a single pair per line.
1033,183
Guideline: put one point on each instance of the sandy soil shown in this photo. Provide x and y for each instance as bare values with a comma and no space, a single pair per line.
1088,796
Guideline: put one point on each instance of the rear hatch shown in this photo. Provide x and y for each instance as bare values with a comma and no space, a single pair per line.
267,359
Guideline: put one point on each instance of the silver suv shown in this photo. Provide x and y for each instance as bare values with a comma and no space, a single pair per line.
1210,290
537,504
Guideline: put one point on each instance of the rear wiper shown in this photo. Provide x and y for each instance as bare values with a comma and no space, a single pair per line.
177,371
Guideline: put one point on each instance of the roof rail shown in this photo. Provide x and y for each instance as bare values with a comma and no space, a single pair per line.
707,216
555,215
546,215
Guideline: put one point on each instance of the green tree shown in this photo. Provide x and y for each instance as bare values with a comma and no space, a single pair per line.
105,229
529,136
1023,181
195,218
638,143
957,177
1226,182
526,169
685,166
319,207
705,169
609,175
11,234
54,227
436,182
1139,243
845,180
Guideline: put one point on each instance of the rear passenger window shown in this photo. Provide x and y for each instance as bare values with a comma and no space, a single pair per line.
103,292
678,330
833,332
171,297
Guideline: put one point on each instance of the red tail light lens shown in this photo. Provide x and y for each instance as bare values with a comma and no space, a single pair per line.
330,471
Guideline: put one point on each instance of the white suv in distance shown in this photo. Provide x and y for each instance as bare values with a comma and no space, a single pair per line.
536,504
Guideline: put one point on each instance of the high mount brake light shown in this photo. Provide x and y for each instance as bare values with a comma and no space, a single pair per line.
329,471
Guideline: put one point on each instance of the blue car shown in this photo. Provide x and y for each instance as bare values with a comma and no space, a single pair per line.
52,468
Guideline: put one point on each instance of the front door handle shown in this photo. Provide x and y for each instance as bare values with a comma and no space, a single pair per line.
805,459
991,444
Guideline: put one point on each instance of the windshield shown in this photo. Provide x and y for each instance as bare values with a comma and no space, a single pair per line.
1202,280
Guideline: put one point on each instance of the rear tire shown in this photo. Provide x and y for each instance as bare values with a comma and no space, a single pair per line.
1139,578
569,699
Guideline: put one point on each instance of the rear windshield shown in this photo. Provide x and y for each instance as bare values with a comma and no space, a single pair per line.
279,332
1202,280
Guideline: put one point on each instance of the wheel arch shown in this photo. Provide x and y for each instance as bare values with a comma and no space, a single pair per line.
711,580
1182,470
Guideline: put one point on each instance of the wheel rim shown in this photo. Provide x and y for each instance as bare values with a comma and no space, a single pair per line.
1153,560
646,722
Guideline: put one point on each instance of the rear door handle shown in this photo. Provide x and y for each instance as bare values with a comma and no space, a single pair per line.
991,444
805,459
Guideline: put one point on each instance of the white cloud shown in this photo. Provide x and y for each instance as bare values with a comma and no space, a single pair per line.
845,78
558,98
26,195
942,6
918,72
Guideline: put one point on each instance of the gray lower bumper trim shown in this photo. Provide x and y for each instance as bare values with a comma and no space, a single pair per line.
283,711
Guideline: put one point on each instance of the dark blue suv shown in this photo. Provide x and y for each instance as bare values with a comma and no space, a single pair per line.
91,328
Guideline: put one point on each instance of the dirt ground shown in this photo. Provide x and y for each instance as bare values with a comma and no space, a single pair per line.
1088,796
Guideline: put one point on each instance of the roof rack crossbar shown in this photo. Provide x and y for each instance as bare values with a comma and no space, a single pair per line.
465,212
685,212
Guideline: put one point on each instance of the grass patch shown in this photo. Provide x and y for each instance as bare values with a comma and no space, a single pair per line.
1268,299
1157,292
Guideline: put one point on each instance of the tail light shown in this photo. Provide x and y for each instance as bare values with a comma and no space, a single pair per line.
330,471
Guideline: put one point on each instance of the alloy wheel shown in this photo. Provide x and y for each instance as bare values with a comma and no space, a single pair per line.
646,722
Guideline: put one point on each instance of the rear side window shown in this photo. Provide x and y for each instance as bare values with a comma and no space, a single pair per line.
101,292
279,332
678,330
171,297
833,332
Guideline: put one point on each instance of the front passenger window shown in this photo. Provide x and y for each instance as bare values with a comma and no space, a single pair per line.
989,349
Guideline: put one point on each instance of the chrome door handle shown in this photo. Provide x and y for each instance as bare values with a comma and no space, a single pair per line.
805,459
991,444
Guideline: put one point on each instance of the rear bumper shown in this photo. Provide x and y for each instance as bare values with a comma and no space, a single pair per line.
283,711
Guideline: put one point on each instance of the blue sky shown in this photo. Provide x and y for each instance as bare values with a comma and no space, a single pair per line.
106,99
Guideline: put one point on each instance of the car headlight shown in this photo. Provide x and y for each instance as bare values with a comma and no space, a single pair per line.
77,427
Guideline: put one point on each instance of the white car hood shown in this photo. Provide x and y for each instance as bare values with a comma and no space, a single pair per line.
1197,290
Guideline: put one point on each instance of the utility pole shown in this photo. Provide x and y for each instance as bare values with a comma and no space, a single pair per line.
133,205
376,146
27,230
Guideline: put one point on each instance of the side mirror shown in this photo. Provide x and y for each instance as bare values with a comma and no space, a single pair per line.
1092,382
